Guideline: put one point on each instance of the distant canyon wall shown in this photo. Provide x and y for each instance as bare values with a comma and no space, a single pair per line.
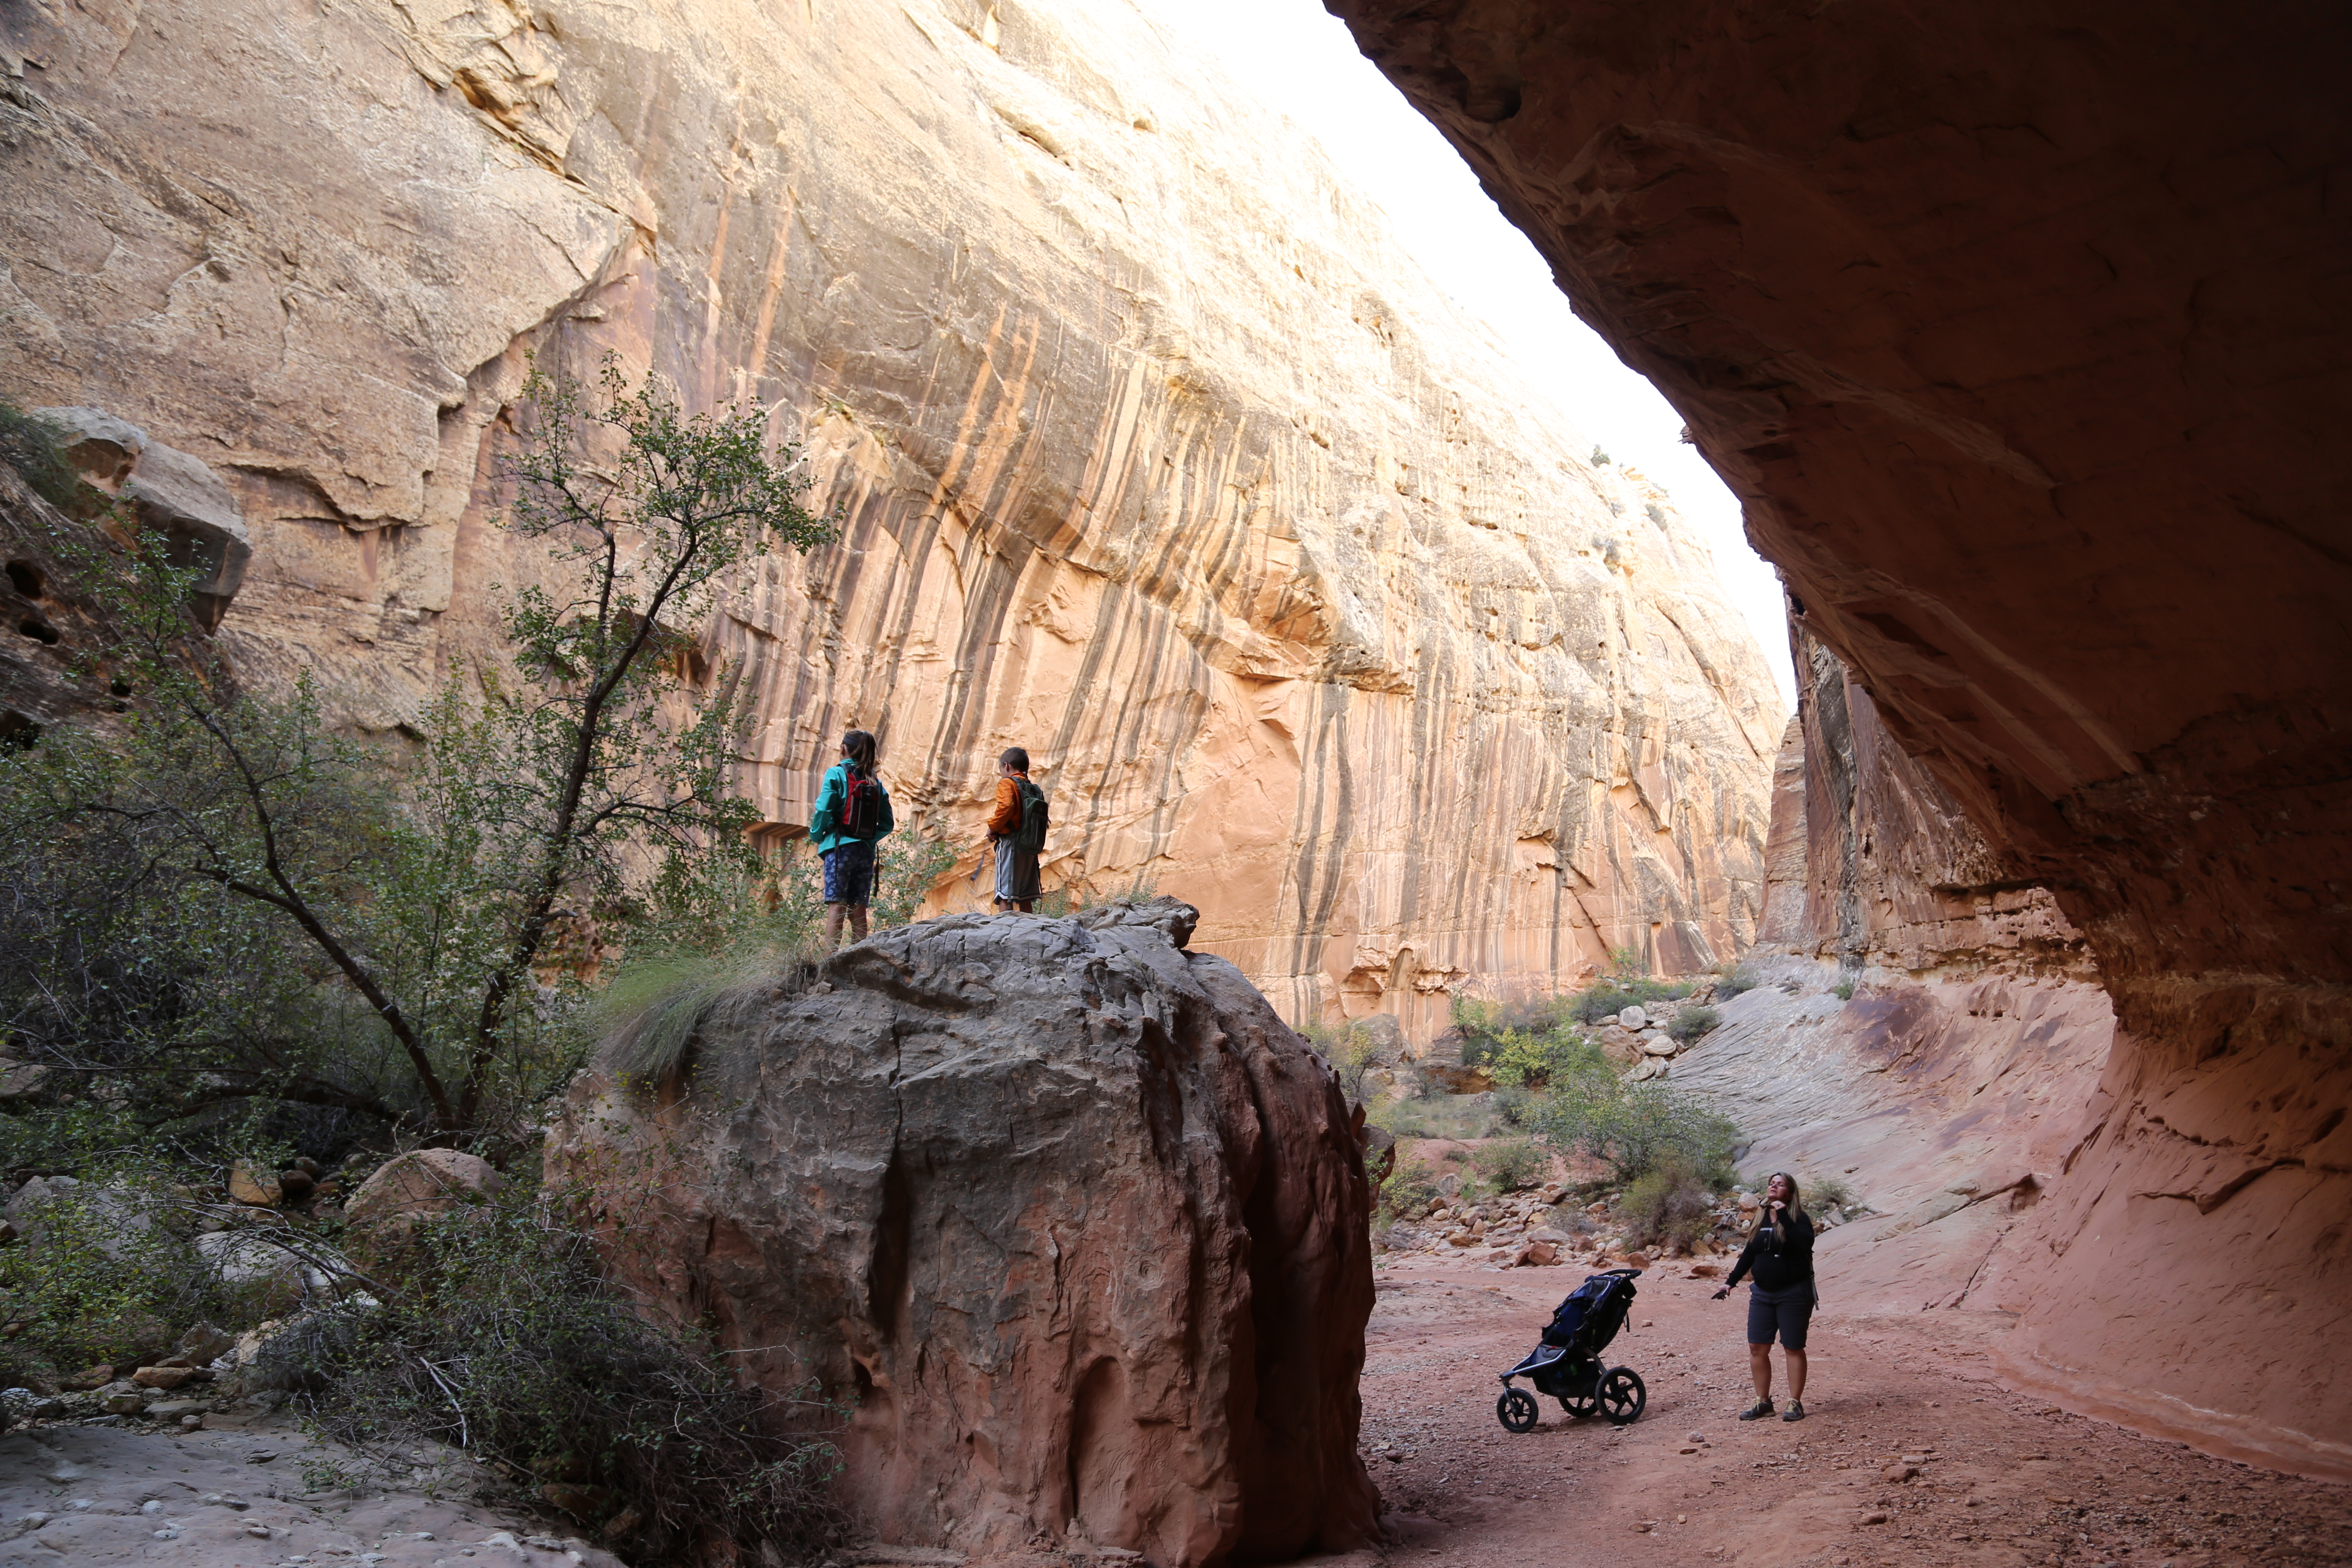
1157,455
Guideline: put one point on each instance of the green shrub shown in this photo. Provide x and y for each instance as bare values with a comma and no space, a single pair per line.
1670,1204
1843,990
1736,979
1412,1186
1605,998
1632,1127
1514,1105
34,448
1351,1051
1520,1058
505,1338
1522,1043
1691,1023
1513,1164
109,1273
1826,1192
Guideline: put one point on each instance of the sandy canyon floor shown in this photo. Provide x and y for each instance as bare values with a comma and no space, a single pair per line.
2001,1481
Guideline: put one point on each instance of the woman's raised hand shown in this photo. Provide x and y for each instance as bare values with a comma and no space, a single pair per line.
1719,1294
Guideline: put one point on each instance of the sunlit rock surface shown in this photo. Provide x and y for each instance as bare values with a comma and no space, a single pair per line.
1158,456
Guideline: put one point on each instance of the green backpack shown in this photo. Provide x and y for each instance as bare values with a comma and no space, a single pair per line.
1030,835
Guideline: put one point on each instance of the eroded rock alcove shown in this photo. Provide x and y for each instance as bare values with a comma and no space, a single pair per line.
2010,331
1071,1216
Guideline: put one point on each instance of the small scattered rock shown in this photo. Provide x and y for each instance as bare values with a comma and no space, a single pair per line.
1873,1516
88,1380
256,1188
162,1377
1632,1018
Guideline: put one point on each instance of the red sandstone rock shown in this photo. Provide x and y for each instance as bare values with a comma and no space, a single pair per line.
1072,1216
2010,331
423,1182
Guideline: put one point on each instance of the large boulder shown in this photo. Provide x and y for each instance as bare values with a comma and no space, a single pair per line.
422,1183
1073,1219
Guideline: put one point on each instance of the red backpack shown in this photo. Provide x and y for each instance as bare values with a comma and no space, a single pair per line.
861,811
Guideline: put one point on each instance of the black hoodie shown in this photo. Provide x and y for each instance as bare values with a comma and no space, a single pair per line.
1777,1264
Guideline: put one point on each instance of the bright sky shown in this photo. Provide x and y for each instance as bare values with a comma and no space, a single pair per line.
1296,57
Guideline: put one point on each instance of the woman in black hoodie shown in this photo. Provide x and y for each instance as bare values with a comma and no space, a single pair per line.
1781,1252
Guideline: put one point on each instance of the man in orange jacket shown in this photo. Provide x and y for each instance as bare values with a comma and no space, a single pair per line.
1008,829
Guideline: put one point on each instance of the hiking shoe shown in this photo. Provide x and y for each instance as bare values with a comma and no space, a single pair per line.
1760,1411
1796,1411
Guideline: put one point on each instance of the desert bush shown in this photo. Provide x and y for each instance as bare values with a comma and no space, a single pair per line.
1690,1023
1512,1165
1669,1204
1515,1105
108,1275
224,899
1631,1127
33,447
1828,1191
506,1339
1412,1186
1736,979
1605,998
1522,1043
1843,991
1351,1050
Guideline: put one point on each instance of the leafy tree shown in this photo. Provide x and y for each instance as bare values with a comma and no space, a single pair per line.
224,899
1632,1127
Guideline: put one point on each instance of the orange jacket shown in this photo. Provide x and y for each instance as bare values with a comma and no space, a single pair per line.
1006,820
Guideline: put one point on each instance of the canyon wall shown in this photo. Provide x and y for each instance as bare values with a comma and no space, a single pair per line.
2016,335
1155,453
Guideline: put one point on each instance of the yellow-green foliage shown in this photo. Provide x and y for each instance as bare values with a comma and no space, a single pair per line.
1512,1165
1671,1205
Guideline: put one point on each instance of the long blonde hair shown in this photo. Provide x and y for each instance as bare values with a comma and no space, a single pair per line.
1796,1205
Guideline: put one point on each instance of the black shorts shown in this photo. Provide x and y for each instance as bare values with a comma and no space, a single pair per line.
1787,1312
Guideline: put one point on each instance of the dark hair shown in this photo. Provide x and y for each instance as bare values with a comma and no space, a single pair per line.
858,747
1796,1205
1014,758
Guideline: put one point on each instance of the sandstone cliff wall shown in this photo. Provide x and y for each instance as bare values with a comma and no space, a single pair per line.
2011,335
1157,455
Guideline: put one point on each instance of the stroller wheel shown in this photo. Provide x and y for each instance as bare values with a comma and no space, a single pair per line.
1622,1396
1580,1409
1517,1410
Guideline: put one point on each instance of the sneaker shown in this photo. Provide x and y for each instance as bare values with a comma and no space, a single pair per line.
1796,1411
1760,1411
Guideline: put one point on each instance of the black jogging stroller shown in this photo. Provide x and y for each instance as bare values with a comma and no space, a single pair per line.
1567,1364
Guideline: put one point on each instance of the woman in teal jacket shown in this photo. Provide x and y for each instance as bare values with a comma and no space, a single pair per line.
847,844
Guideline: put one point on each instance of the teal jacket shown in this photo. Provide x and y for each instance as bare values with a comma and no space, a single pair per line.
824,823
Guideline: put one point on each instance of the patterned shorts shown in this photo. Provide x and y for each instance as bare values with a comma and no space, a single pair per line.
849,874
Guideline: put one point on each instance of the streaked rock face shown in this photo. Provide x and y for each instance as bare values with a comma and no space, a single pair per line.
1158,457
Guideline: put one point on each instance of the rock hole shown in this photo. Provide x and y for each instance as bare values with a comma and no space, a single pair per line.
888,1277
40,630
17,733
26,578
